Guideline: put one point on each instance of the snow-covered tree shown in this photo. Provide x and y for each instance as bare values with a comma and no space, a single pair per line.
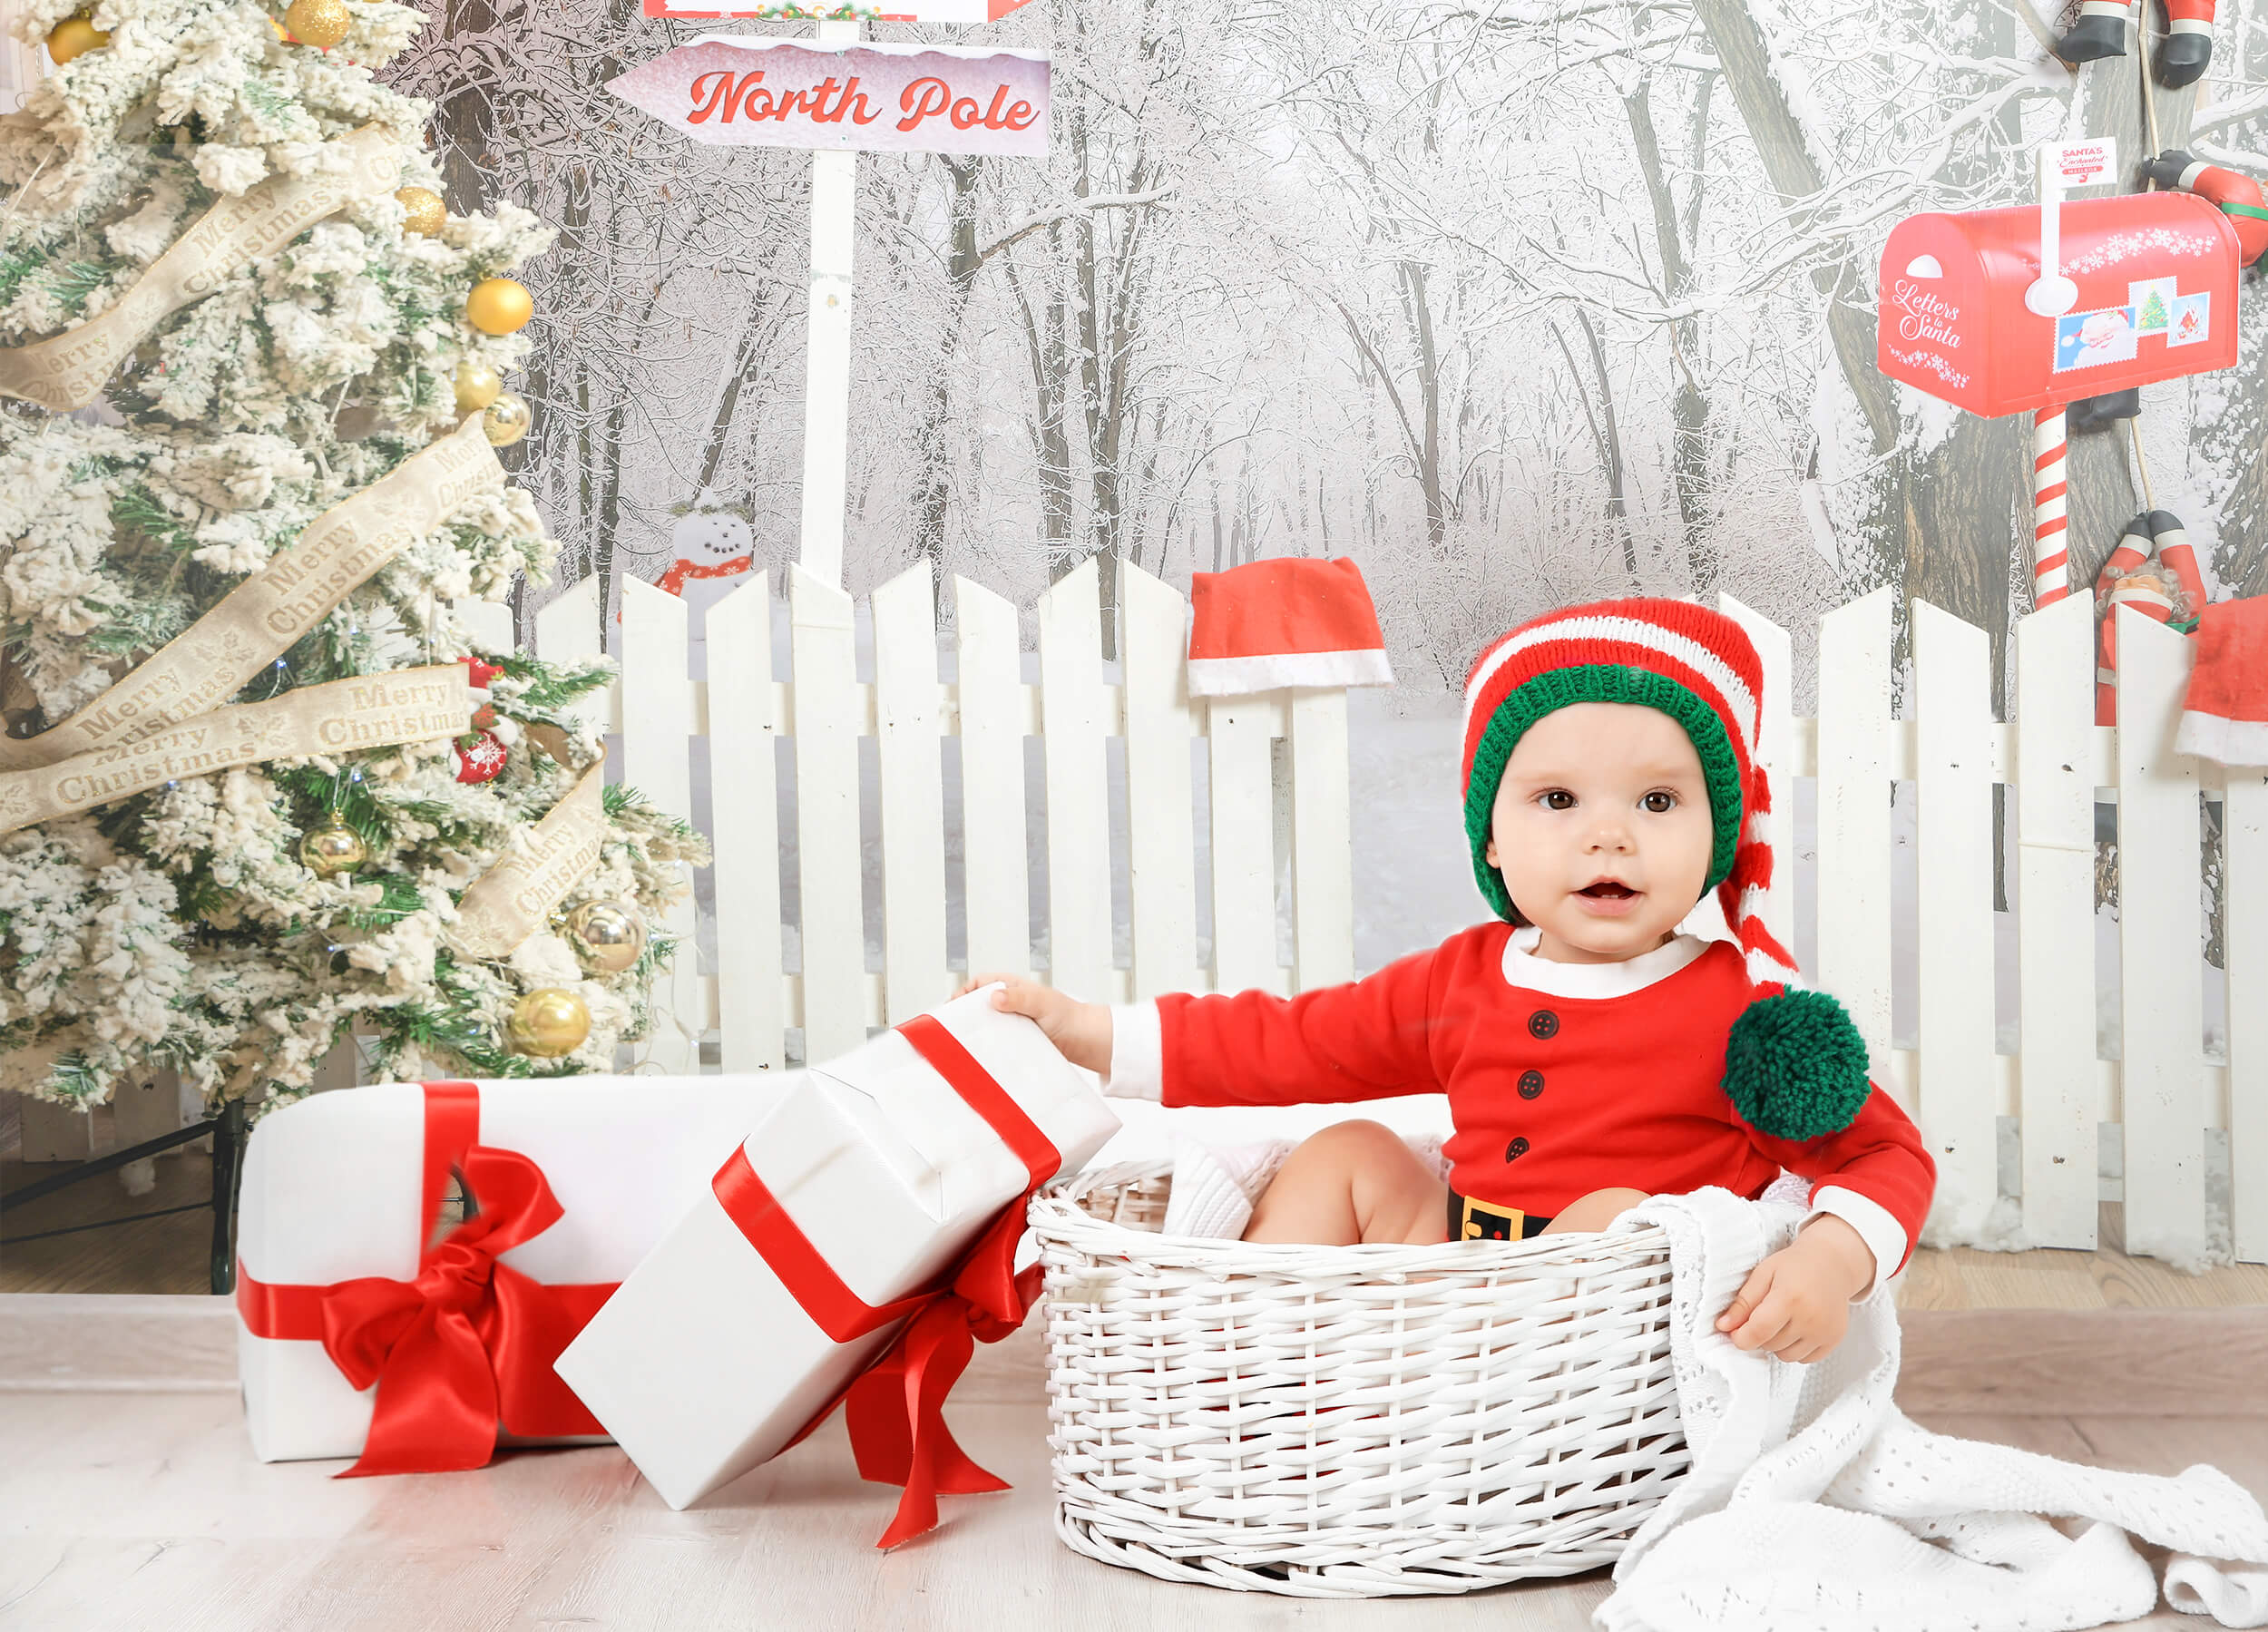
229,829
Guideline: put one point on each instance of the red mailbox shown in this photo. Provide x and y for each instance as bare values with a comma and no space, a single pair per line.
2156,276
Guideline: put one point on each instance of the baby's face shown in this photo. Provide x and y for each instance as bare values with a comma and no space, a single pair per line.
1601,830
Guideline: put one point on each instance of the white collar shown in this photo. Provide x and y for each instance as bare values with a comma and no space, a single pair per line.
1529,973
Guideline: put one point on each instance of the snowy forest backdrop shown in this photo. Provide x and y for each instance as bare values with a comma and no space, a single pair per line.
1516,302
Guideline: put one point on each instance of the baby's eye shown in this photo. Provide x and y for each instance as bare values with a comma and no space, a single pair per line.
1559,798
1659,801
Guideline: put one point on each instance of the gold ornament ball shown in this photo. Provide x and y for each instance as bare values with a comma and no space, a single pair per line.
322,22
608,936
507,419
74,36
332,848
498,305
477,386
423,212
550,1021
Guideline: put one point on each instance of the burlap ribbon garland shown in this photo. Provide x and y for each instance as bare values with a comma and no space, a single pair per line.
68,371
264,616
339,717
507,903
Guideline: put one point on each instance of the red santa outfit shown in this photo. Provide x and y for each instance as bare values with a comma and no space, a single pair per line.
1697,1063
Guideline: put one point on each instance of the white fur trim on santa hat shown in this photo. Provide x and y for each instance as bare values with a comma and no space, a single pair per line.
2221,740
1274,671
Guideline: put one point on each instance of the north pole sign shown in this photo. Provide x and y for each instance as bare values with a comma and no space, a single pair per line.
738,92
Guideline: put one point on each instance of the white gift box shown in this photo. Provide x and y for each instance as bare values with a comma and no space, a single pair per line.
334,1186
703,1364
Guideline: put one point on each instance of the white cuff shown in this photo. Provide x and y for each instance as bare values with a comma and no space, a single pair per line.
1885,1237
1138,1053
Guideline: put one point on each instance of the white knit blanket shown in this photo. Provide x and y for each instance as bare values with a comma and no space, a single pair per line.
1813,1504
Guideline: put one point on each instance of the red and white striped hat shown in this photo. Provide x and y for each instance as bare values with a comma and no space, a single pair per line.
1693,664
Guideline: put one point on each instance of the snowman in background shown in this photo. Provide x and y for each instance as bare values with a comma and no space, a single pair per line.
715,551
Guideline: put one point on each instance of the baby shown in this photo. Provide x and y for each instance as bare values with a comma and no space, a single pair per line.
1591,1055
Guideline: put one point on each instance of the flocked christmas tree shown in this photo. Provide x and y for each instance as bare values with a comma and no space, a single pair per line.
252,794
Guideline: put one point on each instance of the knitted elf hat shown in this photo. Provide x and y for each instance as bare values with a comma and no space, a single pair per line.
1796,1064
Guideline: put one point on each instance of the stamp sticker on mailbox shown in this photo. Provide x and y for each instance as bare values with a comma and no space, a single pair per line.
2088,339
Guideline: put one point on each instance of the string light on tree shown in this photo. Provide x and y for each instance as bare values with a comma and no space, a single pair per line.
609,936
548,1021
507,419
423,212
477,386
332,848
318,23
499,306
75,37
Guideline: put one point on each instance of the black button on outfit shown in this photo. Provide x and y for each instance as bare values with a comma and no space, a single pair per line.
1543,1023
1530,1084
1517,1147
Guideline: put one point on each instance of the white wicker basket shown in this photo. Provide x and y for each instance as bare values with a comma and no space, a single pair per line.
1349,1421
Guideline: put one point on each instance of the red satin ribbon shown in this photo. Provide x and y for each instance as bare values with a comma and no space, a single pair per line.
466,1347
894,1407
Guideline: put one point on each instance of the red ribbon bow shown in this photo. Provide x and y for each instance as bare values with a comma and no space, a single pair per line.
894,1407
466,1347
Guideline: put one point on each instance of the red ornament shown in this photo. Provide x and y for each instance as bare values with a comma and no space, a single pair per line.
480,757
483,671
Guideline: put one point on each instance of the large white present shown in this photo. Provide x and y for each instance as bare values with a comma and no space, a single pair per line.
843,1228
349,1301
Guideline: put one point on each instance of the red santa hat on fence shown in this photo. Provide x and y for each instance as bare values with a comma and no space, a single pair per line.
1289,620
2225,715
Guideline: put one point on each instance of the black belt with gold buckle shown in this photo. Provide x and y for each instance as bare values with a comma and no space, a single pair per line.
1471,1220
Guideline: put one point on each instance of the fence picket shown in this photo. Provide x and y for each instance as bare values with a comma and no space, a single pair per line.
1776,752
1161,840
827,707
657,761
909,707
2245,963
744,805
1953,842
1243,843
995,865
2055,905
1079,791
567,631
487,623
2161,981
1854,846
1322,851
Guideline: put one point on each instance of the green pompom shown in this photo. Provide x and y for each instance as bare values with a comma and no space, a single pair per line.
1796,1066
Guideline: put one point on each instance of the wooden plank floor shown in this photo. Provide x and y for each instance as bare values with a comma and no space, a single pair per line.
145,1510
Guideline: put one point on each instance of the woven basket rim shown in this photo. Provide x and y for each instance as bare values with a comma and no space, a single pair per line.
1057,1217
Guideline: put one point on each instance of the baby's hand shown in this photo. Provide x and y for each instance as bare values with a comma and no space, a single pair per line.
1081,1031
1796,1303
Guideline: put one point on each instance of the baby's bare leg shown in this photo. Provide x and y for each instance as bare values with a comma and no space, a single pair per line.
1353,1182
1594,1211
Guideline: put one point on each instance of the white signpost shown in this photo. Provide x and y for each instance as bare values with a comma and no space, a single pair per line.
746,92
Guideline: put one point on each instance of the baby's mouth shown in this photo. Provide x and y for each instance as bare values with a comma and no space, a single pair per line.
1608,889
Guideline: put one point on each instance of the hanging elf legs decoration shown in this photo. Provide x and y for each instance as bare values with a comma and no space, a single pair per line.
2101,31
2154,570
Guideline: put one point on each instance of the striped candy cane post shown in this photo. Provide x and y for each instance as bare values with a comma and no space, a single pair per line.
2051,574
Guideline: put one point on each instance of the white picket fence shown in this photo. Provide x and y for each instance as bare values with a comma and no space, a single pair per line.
2163,1093
1271,818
